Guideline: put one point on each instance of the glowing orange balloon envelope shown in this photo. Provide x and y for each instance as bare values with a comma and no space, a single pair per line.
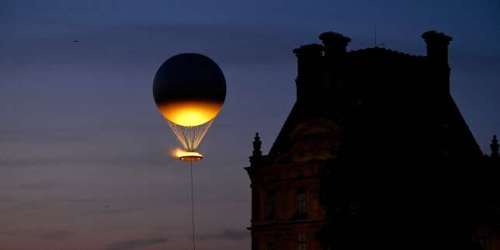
189,91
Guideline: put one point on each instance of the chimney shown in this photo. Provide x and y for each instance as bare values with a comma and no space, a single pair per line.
335,43
495,148
309,68
437,46
437,57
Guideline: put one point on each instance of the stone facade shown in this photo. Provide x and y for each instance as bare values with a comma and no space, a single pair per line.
367,115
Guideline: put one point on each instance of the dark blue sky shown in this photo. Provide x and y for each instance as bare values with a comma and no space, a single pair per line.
84,158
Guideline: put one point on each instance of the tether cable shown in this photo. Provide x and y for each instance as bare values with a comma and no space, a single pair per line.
193,228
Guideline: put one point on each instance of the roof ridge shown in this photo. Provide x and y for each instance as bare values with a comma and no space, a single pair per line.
376,48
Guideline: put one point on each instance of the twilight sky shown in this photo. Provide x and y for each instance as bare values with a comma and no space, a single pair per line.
84,155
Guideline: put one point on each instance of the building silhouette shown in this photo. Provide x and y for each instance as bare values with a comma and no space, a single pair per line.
374,154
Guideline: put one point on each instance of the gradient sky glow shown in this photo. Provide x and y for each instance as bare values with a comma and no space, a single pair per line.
84,155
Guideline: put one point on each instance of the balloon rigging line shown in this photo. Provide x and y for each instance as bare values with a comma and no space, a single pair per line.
193,228
190,137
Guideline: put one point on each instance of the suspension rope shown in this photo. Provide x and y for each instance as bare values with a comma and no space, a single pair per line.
190,136
193,228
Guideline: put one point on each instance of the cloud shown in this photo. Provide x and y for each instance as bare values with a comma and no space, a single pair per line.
6,198
232,44
114,46
80,200
227,234
57,235
45,234
109,211
123,156
41,185
136,244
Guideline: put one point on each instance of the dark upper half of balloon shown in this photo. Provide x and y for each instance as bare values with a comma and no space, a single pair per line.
189,77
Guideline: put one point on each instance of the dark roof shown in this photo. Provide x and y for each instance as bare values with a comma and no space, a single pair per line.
380,96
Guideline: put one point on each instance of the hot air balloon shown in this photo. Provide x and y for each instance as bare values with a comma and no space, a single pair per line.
189,90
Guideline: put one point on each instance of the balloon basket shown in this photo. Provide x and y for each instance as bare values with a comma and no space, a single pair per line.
190,156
